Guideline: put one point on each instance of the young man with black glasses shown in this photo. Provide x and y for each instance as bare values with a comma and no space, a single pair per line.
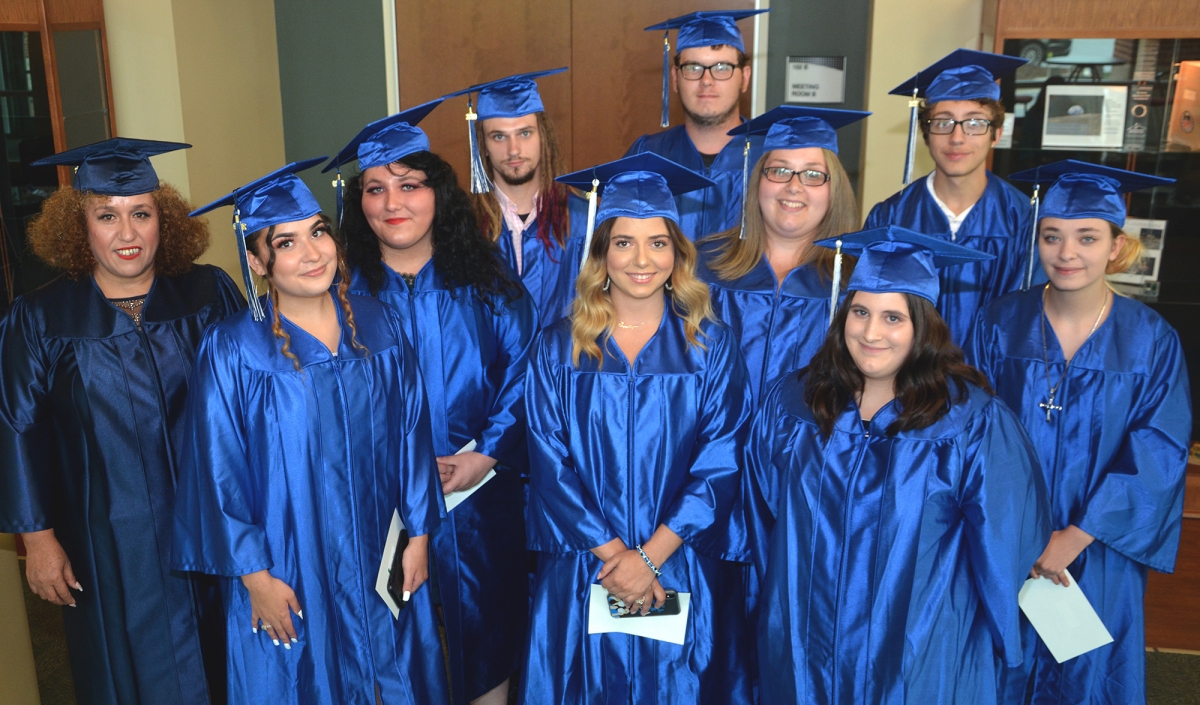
711,72
961,120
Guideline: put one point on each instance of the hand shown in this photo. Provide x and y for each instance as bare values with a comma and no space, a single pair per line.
463,471
48,569
272,602
627,577
415,561
1064,547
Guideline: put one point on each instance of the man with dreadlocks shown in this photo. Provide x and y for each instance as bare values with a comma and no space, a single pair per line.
526,212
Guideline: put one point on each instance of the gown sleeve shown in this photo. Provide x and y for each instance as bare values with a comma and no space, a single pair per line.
1136,505
708,512
561,516
503,437
230,296
419,507
762,478
978,349
25,435
635,148
878,217
1007,513
218,522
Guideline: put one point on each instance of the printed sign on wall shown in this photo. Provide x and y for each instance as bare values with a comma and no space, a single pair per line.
816,79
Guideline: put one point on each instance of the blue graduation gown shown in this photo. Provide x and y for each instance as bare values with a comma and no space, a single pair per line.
542,270
890,566
1115,460
90,431
713,209
614,453
778,329
299,473
1000,223
473,360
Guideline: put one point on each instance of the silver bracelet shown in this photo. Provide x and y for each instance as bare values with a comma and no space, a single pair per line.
653,568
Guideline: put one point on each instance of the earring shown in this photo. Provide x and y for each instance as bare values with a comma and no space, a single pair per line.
668,285
607,281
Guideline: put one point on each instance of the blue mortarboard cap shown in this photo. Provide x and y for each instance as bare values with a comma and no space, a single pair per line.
1083,190
509,97
641,186
387,140
698,29
278,197
962,74
796,127
116,167
895,259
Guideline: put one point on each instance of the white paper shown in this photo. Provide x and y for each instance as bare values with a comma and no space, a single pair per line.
1006,135
456,498
1063,617
672,628
385,565
1084,116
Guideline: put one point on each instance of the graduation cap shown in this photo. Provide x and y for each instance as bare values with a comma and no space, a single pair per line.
384,141
1081,190
895,259
508,97
698,29
792,127
962,74
641,186
278,197
116,167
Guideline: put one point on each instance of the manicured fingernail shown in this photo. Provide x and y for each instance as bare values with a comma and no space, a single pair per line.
78,586
407,594
254,629
72,604
300,614
295,642
287,646
275,641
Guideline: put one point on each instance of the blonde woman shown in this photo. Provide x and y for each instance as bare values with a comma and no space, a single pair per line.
638,407
769,282
1099,382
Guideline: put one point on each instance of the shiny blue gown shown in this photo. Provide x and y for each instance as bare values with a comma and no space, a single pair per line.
90,432
713,209
472,359
890,566
299,473
548,275
1114,459
614,453
1000,223
778,329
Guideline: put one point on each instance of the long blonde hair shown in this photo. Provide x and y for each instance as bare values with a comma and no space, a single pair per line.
736,257
593,314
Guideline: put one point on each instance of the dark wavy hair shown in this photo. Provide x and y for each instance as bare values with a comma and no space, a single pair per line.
58,234
922,383
461,253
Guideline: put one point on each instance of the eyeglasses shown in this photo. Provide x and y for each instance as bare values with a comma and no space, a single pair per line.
783,175
721,71
971,126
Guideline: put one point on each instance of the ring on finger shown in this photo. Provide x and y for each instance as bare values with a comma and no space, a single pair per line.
641,601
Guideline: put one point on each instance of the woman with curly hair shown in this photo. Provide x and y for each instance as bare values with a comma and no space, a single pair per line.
307,438
899,501
412,241
95,368
638,409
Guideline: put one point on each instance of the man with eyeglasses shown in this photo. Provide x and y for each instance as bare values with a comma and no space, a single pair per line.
711,72
961,119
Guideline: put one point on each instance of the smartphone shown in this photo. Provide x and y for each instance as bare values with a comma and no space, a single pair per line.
618,610
395,584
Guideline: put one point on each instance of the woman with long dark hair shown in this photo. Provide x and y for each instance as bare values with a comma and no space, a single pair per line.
93,376
412,242
1100,384
898,503
769,281
638,408
307,439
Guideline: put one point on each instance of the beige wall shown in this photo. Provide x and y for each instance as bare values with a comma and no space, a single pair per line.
18,680
906,35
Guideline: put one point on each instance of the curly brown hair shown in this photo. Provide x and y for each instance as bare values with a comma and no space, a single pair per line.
58,235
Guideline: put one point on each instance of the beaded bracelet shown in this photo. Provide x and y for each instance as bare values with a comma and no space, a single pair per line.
653,568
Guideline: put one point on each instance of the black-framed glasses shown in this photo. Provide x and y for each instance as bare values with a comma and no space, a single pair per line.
782,175
971,126
721,71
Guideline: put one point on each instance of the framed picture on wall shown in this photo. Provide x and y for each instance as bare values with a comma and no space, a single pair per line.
1151,233
1087,116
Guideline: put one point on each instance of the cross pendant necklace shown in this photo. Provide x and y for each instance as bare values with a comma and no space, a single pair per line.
1049,404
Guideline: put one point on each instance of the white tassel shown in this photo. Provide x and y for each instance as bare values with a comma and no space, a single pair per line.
837,282
591,222
1036,202
745,182
910,157
479,180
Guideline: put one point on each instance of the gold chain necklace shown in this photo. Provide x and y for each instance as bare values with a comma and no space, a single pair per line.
630,326
131,305
1049,404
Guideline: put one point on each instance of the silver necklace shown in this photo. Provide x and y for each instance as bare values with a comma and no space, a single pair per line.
1049,404
131,305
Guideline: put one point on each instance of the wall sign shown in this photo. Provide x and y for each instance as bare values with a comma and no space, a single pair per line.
815,79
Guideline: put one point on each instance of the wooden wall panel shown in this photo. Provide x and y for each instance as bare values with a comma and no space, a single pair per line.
446,46
616,71
18,15
1160,19
74,12
1173,601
